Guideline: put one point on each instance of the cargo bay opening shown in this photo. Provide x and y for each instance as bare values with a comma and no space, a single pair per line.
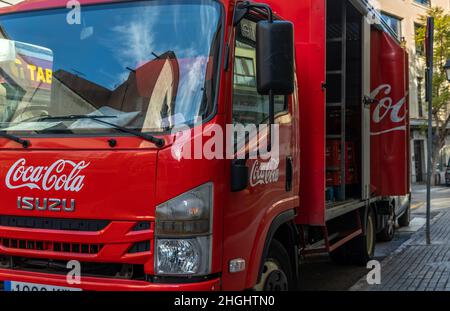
344,123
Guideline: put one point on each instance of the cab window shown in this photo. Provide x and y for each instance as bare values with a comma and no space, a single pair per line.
249,107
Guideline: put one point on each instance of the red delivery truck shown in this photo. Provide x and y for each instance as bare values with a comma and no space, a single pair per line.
102,171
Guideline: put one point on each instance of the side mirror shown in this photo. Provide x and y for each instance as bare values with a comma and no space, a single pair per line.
275,57
7,51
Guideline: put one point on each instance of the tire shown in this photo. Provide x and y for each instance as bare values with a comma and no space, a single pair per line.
362,248
405,219
277,273
388,232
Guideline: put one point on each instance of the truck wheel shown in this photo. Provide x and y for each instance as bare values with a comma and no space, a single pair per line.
404,220
388,232
277,271
362,248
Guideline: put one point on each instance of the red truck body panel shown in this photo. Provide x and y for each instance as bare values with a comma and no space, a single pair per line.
125,184
308,17
389,122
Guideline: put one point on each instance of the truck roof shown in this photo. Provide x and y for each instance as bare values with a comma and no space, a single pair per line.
31,5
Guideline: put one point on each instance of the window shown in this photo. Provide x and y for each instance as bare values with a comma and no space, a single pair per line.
393,22
147,65
244,72
420,97
423,2
249,107
420,49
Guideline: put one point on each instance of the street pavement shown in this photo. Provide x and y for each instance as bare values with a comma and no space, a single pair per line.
320,273
416,266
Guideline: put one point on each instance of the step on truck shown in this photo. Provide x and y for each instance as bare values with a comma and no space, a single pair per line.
115,156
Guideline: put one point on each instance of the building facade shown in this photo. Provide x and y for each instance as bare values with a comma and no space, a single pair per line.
404,18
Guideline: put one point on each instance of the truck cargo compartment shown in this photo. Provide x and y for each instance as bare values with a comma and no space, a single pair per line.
344,105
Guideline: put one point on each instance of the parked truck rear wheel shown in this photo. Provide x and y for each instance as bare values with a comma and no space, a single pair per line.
388,232
277,274
404,220
362,248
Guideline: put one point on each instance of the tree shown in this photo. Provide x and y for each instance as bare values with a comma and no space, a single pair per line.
441,90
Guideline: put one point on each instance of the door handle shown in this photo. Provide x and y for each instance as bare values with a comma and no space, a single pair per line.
289,173
369,101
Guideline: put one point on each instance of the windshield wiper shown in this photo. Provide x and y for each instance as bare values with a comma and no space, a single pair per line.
157,141
74,117
24,142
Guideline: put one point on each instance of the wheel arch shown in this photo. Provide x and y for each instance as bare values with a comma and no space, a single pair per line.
284,230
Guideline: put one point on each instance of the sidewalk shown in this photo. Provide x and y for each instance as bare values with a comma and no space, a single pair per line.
416,266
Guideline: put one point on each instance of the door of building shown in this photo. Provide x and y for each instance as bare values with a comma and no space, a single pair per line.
418,159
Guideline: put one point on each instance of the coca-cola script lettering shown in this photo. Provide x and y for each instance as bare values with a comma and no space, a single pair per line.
61,175
263,174
387,108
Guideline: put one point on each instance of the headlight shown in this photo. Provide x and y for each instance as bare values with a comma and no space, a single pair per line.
183,233
187,214
183,257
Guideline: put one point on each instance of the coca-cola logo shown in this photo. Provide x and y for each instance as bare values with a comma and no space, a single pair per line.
391,115
61,175
264,173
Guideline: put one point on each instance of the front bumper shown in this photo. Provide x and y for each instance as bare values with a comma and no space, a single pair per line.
107,245
105,284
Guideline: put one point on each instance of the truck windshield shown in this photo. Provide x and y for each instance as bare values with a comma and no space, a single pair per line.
146,65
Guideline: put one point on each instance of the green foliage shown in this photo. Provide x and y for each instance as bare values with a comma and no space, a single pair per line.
441,90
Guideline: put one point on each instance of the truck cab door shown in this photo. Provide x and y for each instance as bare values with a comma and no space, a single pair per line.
389,116
250,210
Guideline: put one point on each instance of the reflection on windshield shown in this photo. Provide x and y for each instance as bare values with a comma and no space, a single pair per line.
151,64
25,76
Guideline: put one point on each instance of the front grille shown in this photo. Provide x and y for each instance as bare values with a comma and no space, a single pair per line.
53,223
143,225
59,247
140,247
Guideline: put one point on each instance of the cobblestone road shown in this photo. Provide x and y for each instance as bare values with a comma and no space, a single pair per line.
416,266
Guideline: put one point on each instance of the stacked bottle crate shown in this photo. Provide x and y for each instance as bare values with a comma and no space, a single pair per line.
333,160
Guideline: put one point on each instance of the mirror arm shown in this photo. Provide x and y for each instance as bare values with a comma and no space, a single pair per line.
243,8
271,118
264,7
240,11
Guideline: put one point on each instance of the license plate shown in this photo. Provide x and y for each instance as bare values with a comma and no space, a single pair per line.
12,286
